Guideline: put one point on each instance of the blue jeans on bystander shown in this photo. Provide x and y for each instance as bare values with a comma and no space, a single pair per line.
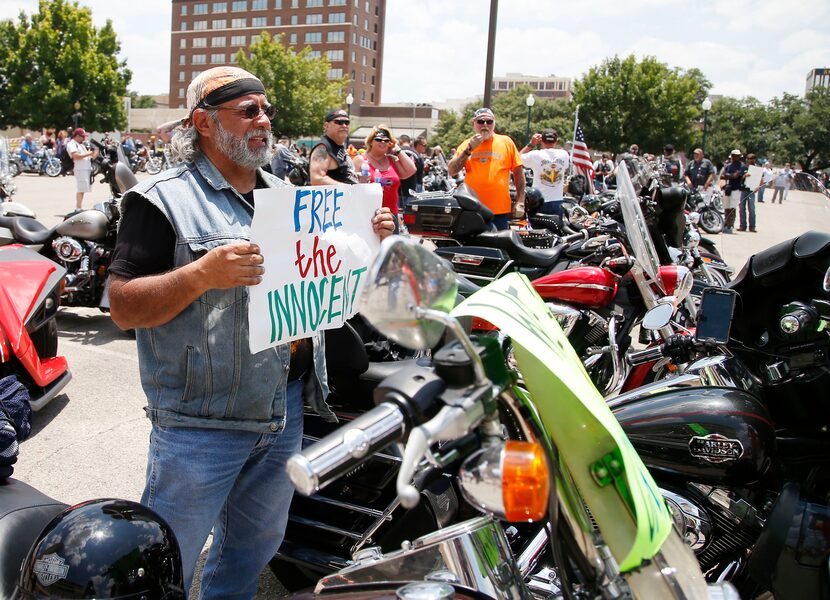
233,482
747,204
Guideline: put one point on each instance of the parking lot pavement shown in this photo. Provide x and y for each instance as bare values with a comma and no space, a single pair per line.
91,441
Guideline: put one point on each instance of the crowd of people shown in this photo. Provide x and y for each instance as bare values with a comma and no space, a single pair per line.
226,420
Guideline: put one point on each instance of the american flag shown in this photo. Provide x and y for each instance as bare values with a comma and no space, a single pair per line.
580,157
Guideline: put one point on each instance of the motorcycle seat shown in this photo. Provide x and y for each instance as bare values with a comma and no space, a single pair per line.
24,512
511,243
26,230
467,200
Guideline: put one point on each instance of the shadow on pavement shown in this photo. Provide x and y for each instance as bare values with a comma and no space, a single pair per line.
47,414
89,328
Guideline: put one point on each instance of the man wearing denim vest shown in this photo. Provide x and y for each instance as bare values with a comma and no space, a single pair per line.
224,421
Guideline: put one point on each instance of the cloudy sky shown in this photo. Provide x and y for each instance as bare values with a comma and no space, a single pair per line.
436,49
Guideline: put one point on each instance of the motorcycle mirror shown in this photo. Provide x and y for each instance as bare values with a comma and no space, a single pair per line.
658,317
406,276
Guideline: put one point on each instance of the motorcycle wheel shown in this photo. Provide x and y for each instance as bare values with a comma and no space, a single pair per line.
53,167
153,166
711,221
14,168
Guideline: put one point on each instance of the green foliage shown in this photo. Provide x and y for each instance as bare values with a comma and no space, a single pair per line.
297,85
510,109
139,101
623,101
802,129
743,124
56,57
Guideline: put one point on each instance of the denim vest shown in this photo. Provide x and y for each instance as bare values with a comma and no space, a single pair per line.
197,370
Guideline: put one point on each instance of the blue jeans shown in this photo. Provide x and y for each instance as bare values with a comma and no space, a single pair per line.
748,203
554,207
233,482
501,222
761,193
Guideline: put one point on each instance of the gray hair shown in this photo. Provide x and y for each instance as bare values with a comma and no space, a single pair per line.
184,146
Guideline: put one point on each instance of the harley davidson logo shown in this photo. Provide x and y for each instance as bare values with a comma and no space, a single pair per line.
716,448
50,568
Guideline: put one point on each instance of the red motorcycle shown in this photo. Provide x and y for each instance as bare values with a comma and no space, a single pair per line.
30,288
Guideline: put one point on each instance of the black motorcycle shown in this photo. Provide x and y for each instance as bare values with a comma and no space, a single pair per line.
83,243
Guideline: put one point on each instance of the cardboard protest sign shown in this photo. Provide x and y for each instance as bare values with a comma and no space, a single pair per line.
317,243
753,180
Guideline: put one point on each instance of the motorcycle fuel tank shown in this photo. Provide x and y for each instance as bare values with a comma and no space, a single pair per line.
711,435
86,225
586,287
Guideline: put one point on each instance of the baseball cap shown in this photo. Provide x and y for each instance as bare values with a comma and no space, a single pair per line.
337,113
221,84
79,131
736,152
549,135
483,112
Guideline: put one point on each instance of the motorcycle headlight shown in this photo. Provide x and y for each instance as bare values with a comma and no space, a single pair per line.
509,480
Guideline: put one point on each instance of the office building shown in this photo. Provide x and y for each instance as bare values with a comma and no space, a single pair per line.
544,87
817,78
349,33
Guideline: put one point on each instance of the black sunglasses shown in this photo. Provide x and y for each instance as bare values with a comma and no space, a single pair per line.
484,121
341,121
250,112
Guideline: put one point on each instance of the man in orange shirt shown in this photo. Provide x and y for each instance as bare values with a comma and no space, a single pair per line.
488,158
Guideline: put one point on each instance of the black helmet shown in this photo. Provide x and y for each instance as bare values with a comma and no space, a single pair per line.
139,144
533,201
104,549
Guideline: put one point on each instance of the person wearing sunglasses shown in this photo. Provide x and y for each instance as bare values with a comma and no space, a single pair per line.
387,164
330,163
488,159
224,421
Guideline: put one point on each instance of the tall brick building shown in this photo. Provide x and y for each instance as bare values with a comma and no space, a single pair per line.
208,34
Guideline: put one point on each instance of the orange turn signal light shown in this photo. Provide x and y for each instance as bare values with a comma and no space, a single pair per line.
525,481
510,481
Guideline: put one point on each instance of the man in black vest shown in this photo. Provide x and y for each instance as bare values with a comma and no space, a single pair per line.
330,164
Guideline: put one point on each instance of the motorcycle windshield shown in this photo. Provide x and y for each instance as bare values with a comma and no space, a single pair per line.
635,222
609,475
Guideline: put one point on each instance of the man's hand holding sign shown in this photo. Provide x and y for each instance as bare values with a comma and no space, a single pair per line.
320,241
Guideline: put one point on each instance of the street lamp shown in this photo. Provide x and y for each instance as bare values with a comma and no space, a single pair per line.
349,100
706,105
77,114
531,100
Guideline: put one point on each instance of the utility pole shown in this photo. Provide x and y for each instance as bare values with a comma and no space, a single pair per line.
491,50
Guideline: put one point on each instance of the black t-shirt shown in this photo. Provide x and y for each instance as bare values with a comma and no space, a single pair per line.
417,178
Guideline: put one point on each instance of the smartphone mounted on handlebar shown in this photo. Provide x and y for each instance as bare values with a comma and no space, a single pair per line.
717,306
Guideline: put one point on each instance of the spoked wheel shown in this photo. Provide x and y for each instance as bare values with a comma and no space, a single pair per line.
53,167
711,221
153,165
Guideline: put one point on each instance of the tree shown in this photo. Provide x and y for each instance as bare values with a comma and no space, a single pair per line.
801,129
510,109
140,101
737,123
61,58
296,83
623,101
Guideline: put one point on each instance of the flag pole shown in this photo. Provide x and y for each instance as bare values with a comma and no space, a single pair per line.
573,141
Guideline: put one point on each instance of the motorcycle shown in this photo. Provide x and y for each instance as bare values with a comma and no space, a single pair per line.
703,203
82,244
42,162
30,287
588,518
